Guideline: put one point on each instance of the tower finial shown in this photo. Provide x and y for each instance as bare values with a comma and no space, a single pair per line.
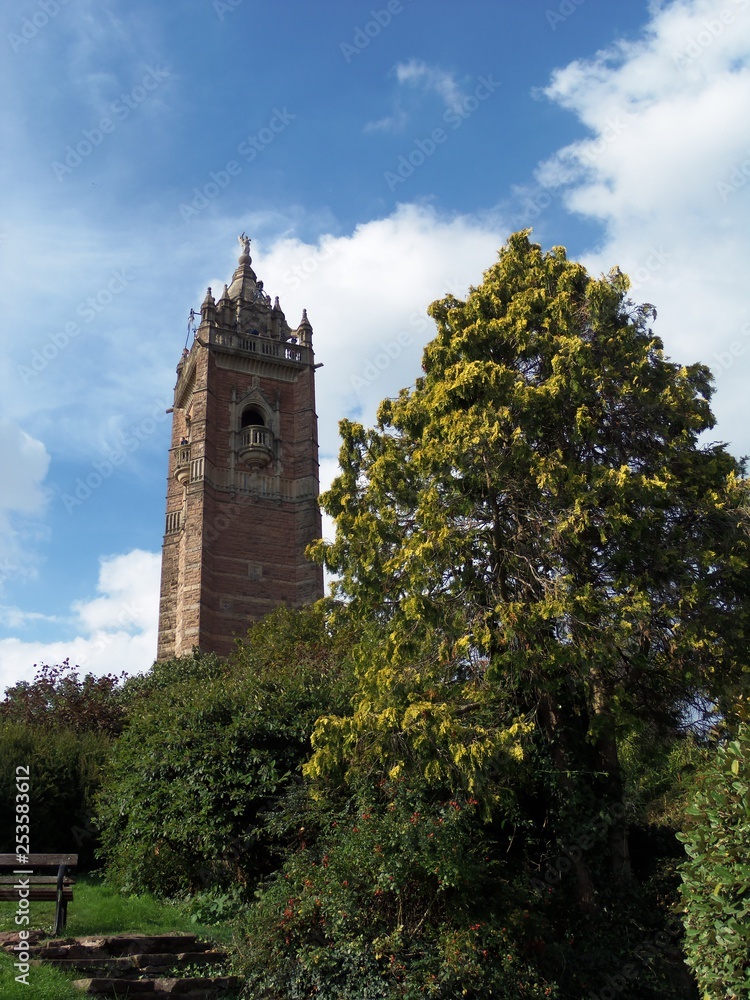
208,308
244,242
304,330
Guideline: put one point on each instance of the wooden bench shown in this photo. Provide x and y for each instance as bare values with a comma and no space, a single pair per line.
25,883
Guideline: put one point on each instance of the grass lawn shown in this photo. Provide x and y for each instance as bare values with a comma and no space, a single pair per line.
95,909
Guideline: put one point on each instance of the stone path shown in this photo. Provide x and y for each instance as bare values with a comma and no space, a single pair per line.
135,965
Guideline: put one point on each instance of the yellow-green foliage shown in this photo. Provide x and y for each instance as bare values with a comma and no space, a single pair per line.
431,720
541,498
546,563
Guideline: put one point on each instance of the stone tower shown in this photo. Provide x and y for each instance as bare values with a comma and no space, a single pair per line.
242,487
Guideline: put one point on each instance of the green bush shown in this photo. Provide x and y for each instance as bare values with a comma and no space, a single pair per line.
396,900
61,727
58,698
64,770
716,875
203,758
398,887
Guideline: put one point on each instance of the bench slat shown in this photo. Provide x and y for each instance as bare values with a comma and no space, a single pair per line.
6,880
37,892
11,860
39,895
56,888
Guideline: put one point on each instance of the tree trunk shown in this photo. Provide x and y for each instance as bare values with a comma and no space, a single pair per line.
551,722
608,762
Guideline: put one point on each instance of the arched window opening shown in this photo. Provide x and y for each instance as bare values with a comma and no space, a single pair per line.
252,418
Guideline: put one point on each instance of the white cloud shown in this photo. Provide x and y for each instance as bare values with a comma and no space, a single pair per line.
432,79
419,78
126,583
391,123
667,172
24,461
367,296
18,618
117,629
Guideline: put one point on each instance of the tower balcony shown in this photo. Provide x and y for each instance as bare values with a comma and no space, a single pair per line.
256,446
182,464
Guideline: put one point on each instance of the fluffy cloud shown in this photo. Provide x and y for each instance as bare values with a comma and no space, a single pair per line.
127,584
116,630
366,296
666,170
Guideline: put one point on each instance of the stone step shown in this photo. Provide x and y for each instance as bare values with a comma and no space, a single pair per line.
10,938
160,989
127,955
119,945
140,964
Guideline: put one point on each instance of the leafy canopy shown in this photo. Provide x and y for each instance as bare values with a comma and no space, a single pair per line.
543,483
542,503
58,698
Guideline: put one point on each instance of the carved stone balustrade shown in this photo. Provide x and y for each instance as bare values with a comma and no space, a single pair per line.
256,446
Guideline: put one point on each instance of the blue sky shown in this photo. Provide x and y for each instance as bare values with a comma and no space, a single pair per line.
378,154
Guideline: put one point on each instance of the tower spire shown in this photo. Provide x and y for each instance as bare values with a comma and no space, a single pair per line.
244,284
